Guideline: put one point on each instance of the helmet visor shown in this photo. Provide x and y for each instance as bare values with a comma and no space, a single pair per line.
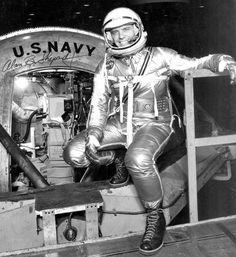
117,22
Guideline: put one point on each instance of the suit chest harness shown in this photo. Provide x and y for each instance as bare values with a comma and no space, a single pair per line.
141,107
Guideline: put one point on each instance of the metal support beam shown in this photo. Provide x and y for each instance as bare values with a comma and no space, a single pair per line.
91,212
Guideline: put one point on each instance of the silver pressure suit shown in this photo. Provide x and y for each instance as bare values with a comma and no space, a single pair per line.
132,106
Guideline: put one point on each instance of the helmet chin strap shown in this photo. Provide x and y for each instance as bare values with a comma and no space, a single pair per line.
129,50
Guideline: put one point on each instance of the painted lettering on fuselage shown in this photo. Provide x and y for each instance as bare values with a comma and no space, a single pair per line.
47,52
54,46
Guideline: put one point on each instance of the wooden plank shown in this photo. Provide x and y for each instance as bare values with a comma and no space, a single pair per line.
201,73
191,150
31,193
85,187
67,195
216,140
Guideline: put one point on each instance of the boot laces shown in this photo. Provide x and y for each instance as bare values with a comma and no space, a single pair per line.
151,226
120,169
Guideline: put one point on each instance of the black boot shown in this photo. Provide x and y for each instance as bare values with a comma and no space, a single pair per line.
121,177
152,239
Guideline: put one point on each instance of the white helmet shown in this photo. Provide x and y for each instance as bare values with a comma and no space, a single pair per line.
116,18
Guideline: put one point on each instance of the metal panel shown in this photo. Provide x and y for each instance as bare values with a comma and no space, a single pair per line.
18,229
91,213
49,227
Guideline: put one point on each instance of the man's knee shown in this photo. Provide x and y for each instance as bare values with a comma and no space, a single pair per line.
73,153
138,160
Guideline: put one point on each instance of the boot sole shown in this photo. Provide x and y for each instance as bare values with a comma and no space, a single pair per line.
143,252
121,184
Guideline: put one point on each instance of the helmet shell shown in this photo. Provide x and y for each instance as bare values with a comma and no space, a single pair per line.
119,17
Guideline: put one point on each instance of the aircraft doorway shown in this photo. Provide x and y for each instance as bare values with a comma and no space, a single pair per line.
49,108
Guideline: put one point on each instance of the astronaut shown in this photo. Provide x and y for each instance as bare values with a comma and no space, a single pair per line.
131,108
